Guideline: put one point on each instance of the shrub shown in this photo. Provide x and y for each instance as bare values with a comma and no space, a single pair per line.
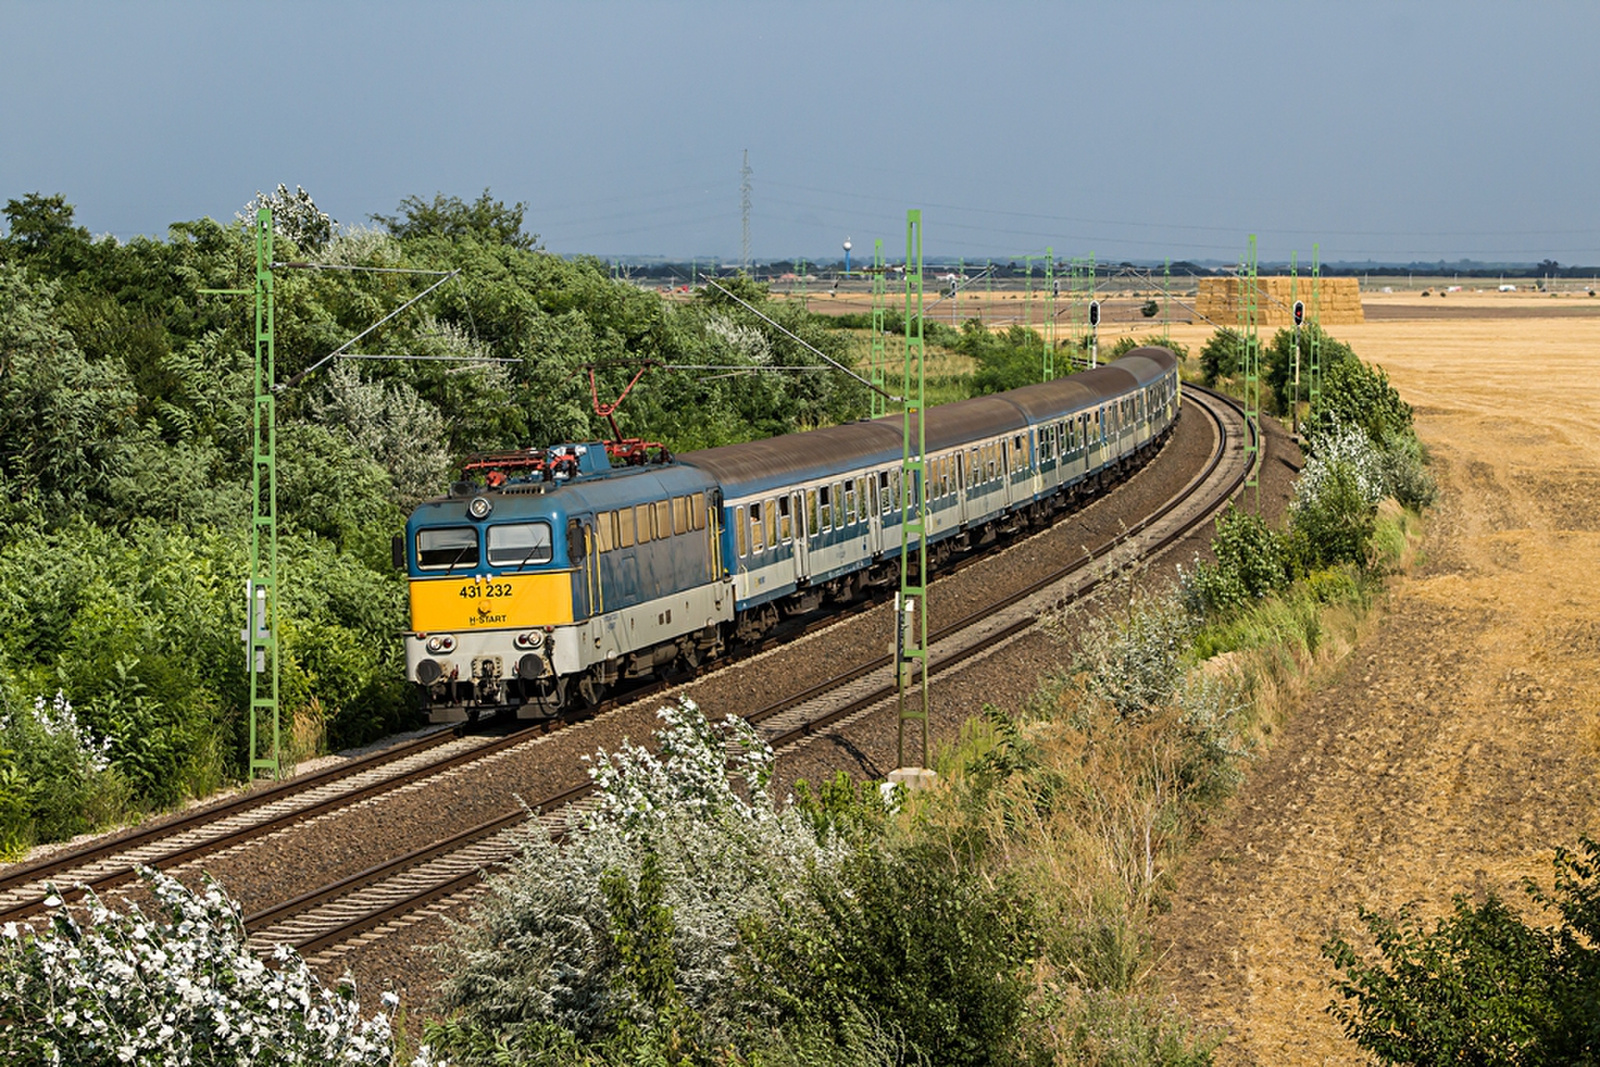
120,987
1482,986
56,776
1219,357
1252,561
1332,516
1278,360
1354,394
1125,345
630,926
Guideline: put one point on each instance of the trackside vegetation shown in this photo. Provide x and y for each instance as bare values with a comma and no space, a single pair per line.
125,438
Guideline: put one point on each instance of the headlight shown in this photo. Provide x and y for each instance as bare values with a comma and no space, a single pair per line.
444,643
480,507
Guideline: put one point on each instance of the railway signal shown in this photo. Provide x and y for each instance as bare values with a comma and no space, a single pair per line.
1094,333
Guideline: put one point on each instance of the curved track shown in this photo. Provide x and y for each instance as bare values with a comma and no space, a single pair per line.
389,896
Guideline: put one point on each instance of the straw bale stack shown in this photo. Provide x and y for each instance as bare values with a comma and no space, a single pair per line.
1218,300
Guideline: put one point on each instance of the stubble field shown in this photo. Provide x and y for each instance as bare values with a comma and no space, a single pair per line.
1459,744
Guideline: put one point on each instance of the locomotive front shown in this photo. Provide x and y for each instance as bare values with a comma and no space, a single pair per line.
490,581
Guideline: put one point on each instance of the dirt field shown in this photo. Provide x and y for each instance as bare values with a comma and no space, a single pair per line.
1460,743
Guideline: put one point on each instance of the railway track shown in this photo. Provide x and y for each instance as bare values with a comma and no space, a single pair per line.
393,894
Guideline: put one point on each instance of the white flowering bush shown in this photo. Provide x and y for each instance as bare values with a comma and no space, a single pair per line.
692,771
52,768
295,217
635,917
1347,446
109,987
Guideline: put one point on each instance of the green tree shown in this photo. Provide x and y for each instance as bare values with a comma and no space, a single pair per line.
1278,361
485,220
62,416
1219,358
42,234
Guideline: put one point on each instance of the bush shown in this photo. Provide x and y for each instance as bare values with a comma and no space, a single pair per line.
1278,360
1482,986
1125,345
1332,516
909,937
629,930
1219,357
1252,561
1354,394
185,988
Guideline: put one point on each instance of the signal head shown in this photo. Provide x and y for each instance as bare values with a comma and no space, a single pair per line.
1299,312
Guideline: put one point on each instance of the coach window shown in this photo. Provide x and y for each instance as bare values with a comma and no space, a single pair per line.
770,512
757,531
697,511
605,530
825,521
625,528
840,515
785,521
644,523
850,512
811,512
739,531
664,518
447,547
680,514
885,502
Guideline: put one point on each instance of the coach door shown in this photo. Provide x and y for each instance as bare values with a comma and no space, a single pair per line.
585,574
796,532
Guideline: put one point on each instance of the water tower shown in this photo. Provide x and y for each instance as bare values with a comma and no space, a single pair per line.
847,255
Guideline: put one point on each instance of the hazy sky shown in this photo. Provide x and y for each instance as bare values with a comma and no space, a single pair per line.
1388,130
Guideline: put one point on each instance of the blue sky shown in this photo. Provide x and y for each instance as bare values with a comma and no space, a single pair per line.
1388,131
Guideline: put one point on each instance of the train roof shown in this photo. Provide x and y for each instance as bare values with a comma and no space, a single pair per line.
619,488
758,466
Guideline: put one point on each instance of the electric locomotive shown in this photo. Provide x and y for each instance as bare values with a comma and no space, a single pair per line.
564,573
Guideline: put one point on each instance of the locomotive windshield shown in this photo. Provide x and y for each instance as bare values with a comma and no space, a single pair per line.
447,547
519,544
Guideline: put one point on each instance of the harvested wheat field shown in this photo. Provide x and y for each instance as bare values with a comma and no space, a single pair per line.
1460,743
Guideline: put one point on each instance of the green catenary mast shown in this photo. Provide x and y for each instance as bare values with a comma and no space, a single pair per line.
1248,312
1316,324
262,616
911,615
1047,367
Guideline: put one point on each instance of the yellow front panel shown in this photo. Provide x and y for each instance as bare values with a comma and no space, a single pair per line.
445,605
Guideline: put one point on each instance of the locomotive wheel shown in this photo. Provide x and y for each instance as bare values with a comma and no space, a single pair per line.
692,656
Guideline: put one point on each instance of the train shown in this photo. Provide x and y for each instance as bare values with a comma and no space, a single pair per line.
555,574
